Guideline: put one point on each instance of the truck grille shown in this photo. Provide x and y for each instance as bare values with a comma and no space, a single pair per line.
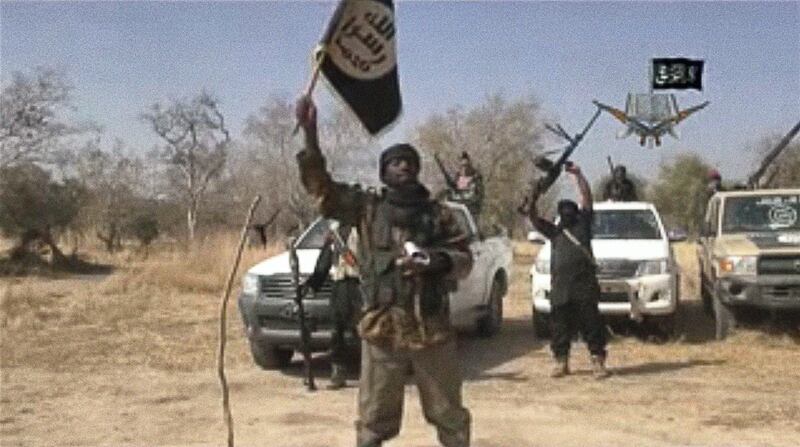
779,265
787,293
616,268
280,287
614,297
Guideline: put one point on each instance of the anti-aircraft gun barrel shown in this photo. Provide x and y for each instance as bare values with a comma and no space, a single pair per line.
755,178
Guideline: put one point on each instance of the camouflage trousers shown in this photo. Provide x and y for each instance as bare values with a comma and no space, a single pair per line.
382,387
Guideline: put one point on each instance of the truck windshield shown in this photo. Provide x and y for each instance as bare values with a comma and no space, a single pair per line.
625,224
314,237
761,213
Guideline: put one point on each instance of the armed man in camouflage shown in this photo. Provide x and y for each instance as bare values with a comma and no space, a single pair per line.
469,186
339,251
411,253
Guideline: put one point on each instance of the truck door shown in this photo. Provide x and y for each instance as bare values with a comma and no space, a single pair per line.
708,234
469,295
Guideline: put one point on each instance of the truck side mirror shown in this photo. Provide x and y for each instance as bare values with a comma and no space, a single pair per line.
678,235
536,238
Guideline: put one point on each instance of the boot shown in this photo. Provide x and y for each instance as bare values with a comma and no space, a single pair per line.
560,368
599,370
338,380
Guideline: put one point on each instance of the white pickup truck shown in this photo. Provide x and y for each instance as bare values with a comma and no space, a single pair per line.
637,272
270,316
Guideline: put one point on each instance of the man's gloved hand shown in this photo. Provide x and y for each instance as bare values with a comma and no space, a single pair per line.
306,113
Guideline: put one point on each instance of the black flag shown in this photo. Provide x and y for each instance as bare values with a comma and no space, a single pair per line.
360,62
677,73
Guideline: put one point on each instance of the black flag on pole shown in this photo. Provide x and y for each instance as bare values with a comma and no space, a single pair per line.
359,60
677,73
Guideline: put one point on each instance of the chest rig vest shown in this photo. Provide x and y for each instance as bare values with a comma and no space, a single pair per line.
401,311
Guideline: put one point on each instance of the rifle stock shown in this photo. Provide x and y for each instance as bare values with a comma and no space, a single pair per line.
305,335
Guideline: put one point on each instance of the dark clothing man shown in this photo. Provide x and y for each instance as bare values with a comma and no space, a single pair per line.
619,188
411,253
575,291
345,299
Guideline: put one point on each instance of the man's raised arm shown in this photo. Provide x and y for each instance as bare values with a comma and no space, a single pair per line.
582,185
335,200
543,225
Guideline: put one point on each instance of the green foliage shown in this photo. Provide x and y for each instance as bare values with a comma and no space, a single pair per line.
34,206
679,192
144,228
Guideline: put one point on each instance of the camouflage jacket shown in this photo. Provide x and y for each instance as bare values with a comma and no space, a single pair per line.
401,312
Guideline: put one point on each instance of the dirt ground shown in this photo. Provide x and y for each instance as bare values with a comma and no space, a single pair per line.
129,360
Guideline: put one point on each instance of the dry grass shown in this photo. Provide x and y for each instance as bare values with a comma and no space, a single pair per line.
160,312
163,312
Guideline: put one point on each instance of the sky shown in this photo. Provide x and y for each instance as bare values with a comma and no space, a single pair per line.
124,56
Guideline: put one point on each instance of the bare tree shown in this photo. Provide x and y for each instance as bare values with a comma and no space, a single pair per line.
269,156
501,137
33,116
196,146
110,178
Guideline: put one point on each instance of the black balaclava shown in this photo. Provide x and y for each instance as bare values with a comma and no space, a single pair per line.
568,213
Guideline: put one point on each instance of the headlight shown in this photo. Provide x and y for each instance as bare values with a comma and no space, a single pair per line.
543,266
738,265
652,267
250,284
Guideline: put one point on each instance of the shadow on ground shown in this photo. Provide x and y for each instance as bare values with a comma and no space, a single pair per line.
661,367
477,355
481,355
695,325
36,265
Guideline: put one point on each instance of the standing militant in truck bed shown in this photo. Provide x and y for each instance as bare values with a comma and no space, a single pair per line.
619,187
467,186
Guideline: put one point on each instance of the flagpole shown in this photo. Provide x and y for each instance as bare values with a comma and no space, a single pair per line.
313,81
321,51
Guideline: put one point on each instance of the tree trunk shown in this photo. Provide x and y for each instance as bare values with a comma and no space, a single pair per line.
58,257
22,250
191,219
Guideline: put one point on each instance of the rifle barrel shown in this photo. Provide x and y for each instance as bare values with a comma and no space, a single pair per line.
305,337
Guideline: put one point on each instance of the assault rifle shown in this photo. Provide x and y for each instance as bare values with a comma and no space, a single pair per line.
553,169
305,334
449,180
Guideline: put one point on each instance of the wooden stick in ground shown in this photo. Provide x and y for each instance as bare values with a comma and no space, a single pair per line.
223,313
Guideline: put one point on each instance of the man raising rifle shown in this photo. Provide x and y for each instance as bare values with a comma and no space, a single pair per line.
575,292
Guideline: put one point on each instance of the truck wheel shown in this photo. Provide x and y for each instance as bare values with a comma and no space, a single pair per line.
268,356
724,318
665,327
541,324
490,324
